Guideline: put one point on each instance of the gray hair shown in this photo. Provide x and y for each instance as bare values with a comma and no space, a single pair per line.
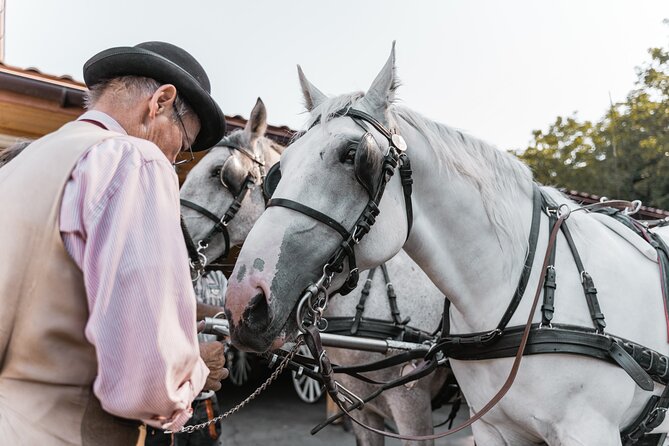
126,88
9,153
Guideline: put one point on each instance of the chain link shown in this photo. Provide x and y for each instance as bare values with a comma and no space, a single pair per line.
275,374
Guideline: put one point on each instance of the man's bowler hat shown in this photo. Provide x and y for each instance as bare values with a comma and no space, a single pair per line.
167,64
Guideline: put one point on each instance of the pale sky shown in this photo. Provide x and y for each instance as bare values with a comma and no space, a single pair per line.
495,69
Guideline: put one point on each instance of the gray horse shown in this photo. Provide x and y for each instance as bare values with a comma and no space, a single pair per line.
219,176
212,184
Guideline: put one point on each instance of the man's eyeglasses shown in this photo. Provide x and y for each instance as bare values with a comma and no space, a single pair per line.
187,141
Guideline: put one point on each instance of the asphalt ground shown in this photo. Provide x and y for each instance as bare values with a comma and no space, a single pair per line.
278,417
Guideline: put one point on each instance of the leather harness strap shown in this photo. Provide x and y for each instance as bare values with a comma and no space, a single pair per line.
396,157
220,223
360,308
547,309
332,389
311,212
529,261
392,298
588,286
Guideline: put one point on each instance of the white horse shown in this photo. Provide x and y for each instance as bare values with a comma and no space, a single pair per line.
214,182
472,209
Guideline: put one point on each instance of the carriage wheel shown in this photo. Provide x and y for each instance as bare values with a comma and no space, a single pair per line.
239,367
308,389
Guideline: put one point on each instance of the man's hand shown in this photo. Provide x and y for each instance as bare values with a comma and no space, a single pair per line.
204,310
213,354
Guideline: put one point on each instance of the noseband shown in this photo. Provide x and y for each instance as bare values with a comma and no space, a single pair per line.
394,157
198,259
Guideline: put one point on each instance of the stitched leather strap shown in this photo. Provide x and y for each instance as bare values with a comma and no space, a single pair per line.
311,212
360,308
529,261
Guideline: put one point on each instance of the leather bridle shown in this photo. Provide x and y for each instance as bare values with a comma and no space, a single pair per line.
395,157
198,259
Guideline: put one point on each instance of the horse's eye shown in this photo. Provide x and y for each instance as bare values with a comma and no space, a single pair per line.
216,173
348,156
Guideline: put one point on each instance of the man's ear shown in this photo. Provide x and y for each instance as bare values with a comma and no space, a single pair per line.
162,100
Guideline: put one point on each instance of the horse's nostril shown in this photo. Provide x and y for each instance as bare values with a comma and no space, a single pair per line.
256,315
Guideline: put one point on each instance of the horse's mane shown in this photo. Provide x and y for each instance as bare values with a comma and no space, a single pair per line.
493,173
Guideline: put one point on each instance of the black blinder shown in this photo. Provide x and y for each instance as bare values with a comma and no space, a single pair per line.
368,164
233,175
271,181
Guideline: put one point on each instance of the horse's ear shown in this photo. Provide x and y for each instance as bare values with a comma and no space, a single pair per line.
313,97
256,126
382,91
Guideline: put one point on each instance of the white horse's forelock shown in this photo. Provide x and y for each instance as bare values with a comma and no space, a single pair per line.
493,172
329,109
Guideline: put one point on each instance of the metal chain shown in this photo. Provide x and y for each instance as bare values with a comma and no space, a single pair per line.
275,374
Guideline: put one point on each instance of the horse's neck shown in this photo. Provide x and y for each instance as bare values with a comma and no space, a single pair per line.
456,243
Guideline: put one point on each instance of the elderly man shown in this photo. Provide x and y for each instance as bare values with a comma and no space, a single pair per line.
97,311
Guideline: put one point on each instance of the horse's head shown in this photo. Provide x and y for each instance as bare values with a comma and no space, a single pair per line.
334,168
233,170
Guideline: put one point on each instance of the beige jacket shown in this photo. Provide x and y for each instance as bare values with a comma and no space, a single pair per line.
47,366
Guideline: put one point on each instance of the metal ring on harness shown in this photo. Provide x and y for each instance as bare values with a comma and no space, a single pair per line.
563,210
634,210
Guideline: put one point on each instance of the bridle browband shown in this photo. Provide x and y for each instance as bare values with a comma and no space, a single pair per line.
198,259
395,156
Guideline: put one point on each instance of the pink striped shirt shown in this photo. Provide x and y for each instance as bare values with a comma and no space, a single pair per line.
119,220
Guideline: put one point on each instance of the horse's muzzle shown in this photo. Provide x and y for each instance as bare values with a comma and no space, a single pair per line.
252,331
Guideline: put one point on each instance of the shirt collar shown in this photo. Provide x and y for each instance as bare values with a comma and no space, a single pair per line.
105,119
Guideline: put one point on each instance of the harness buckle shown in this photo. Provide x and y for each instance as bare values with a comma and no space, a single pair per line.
631,211
349,396
563,211
355,236
322,324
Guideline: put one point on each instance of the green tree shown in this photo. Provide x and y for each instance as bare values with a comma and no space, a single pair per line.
623,155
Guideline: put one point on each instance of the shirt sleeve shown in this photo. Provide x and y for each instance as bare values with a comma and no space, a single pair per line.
141,302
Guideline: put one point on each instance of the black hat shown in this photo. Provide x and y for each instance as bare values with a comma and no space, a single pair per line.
167,64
